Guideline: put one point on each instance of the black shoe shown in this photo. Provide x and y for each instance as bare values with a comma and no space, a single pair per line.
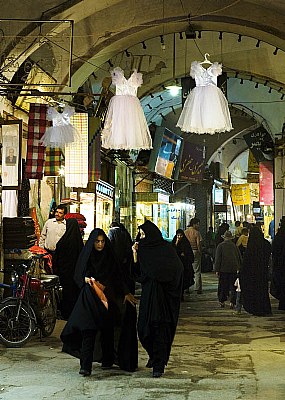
84,372
157,374
149,364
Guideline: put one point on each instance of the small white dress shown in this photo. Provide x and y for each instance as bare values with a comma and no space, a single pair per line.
125,125
206,108
62,131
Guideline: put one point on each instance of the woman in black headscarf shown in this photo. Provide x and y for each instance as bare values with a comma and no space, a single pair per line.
161,274
278,266
185,253
254,274
64,260
92,315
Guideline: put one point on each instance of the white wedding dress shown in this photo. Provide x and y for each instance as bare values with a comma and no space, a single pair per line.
125,125
206,108
61,132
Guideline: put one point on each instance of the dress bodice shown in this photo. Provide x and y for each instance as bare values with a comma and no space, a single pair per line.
126,86
60,118
205,76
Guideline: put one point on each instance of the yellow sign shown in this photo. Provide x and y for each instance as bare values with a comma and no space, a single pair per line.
252,168
240,194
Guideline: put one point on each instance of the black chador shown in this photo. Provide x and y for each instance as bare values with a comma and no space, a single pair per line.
161,276
115,326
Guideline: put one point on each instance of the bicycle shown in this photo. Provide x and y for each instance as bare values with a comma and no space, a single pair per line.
33,305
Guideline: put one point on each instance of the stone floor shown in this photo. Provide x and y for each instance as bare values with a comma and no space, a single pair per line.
216,355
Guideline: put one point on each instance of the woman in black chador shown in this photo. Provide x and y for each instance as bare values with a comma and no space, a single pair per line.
254,274
161,274
64,260
93,315
278,267
185,253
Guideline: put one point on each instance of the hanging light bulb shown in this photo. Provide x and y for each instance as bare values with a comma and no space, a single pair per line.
174,87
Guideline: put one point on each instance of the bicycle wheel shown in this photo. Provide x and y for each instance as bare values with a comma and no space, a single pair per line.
48,316
15,332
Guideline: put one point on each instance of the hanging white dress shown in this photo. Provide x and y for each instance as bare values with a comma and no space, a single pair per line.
62,131
125,124
206,108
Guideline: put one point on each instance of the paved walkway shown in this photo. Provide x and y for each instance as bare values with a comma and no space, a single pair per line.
216,355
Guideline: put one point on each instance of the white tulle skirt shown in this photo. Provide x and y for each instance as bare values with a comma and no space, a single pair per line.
205,110
125,125
59,136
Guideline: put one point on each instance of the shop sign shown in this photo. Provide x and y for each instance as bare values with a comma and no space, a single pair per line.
162,198
192,163
252,168
220,208
266,183
152,197
104,189
260,143
240,194
279,173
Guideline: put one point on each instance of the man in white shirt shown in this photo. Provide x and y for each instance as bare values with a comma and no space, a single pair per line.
53,229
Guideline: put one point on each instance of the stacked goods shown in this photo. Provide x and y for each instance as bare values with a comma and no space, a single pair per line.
18,233
80,219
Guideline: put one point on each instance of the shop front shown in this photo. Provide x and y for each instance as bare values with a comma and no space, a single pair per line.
167,216
104,205
97,208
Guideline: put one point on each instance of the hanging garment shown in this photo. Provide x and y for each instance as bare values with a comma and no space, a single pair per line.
62,131
9,203
53,162
125,125
76,154
23,194
35,152
206,108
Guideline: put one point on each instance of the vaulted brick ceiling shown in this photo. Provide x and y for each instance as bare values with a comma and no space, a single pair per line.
247,36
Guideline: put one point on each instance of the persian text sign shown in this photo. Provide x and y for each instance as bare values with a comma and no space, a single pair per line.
257,141
240,194
266,196
192,163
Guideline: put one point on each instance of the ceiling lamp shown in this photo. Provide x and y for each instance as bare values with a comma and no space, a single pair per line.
174,86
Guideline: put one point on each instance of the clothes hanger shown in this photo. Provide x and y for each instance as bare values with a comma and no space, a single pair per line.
60,107
58,104
206,61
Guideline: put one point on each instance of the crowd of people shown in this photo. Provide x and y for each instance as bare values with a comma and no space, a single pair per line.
99,281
